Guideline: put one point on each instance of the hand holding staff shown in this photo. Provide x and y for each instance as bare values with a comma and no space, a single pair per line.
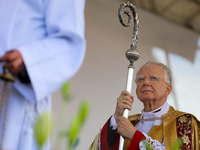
124,126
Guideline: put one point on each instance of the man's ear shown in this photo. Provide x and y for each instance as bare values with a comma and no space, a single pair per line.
168,89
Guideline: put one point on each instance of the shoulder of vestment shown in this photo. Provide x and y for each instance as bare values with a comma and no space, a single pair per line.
173,114
134,117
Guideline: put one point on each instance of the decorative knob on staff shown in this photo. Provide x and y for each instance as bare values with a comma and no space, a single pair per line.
132,54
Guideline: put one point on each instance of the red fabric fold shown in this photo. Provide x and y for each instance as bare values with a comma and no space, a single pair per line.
104,145
138,136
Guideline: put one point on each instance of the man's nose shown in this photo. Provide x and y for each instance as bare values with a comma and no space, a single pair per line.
146,81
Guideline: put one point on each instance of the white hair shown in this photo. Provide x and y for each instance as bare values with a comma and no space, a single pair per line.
166,70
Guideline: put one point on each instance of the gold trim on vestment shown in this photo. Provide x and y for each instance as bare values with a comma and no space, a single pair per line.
167,130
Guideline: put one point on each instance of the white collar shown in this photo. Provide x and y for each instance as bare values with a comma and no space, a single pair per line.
164,109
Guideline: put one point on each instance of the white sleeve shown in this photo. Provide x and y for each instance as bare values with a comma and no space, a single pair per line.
53,60
99,142
150,144
113,123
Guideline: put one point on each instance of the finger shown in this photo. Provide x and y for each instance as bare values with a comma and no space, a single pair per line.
122,122
121,105
124,102
14,67
128,98
9,56
3,58
16,64
125,93
121,118
132,98
126,106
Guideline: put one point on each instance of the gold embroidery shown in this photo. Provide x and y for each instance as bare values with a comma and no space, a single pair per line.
182,119
185,139
184,131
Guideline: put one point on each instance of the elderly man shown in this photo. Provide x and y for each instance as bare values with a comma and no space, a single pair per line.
159,126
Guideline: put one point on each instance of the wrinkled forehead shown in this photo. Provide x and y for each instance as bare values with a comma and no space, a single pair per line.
151,70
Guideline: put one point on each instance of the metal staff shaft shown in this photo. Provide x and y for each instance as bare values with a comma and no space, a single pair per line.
132,54
128,88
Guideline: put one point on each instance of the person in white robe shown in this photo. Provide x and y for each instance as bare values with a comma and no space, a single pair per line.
42,40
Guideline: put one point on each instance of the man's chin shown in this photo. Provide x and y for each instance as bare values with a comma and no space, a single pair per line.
146,98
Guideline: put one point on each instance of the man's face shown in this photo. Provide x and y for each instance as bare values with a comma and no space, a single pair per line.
148,89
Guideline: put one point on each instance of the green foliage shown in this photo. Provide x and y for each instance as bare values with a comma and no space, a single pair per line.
77,122
84,111
65,91
74,130
177,144
62,134
148,145
43,125
43,128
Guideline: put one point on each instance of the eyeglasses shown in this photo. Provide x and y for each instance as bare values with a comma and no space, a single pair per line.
152,78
